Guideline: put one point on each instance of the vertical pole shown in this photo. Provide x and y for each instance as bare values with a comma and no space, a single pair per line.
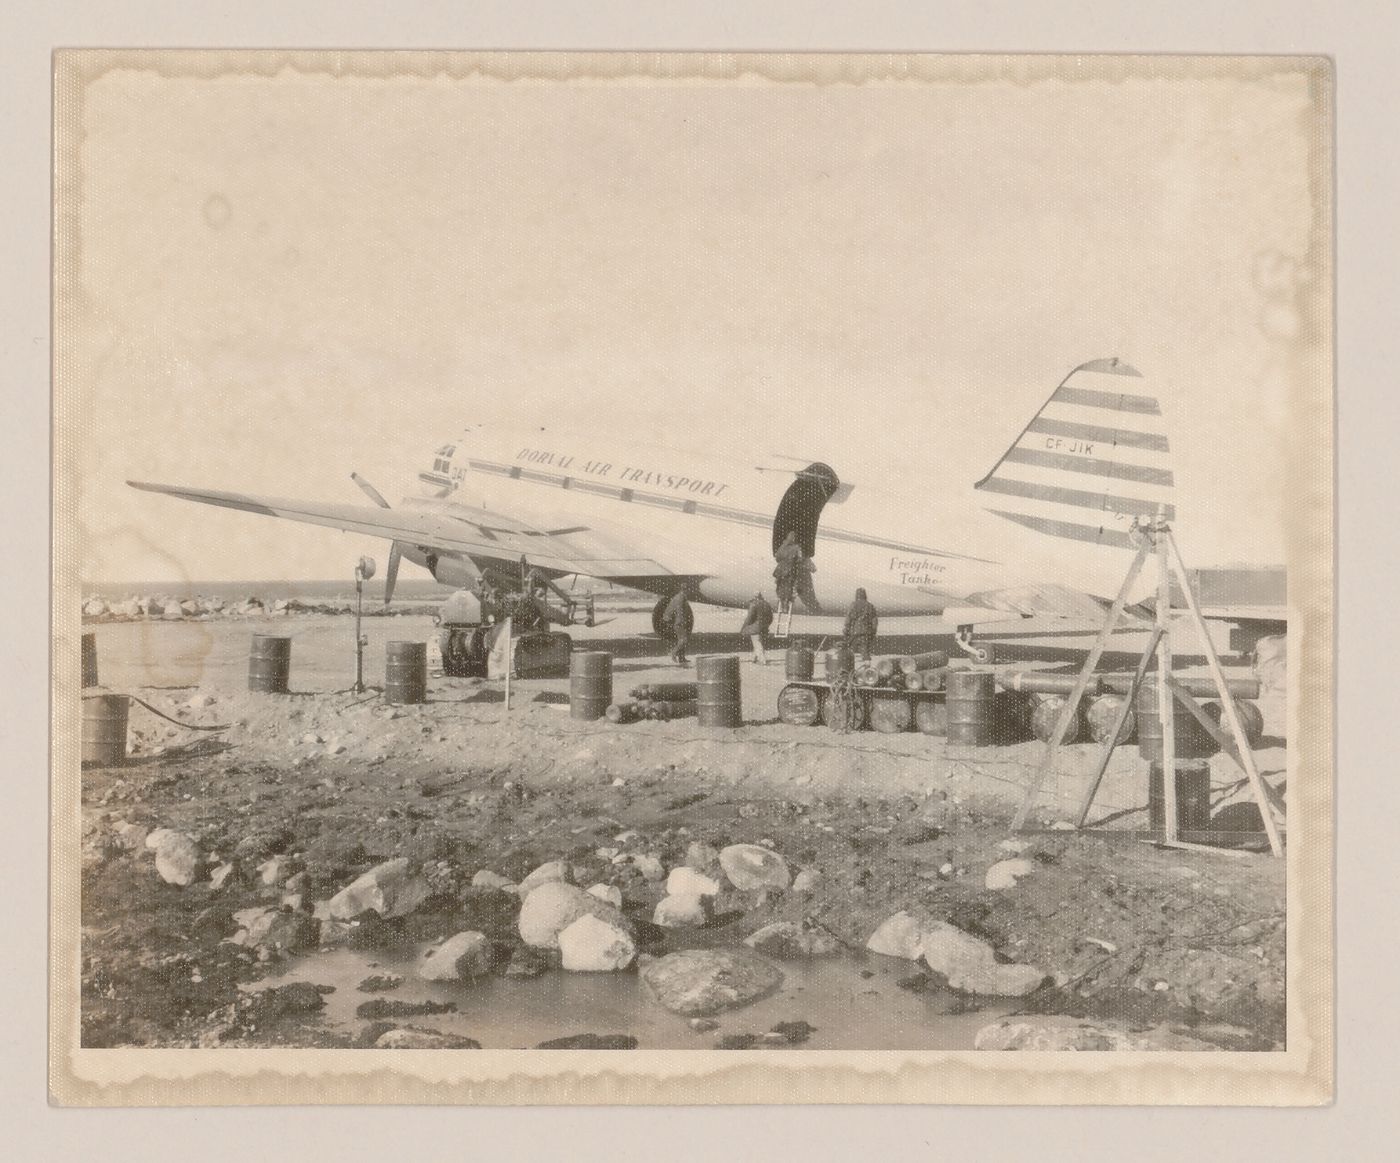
510,654
1166,704
1227,708
359,639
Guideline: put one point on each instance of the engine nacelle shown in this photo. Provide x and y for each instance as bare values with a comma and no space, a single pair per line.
452,570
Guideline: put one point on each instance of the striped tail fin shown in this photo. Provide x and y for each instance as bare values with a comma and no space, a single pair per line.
1094,457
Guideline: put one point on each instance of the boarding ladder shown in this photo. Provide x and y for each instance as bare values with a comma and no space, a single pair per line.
784,624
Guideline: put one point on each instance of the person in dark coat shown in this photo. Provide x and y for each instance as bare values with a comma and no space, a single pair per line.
679,620
788,558
756,623
862,622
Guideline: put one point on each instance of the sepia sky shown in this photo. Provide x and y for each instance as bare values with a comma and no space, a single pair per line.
283,276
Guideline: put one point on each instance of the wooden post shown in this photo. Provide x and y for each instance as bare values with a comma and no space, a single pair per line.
1166,704
1227,706
1071,706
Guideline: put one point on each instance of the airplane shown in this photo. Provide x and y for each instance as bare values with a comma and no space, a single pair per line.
1048,530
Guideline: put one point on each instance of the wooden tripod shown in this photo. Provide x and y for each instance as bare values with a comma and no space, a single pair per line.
1157,539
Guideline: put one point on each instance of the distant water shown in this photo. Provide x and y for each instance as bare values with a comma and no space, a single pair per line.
341,590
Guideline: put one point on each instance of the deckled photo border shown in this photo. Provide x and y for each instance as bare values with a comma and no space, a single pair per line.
1301,1074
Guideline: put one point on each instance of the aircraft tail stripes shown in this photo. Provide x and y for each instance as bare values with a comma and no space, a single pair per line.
1095,456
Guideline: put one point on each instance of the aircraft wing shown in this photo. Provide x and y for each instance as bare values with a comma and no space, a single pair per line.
1049,600
480,534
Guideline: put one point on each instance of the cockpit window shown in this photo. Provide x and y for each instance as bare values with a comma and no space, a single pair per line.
442,461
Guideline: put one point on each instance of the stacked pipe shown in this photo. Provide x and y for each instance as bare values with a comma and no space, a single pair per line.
919,672
657,700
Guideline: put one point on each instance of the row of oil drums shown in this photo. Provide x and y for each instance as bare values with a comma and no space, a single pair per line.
975,712
717,688
405,668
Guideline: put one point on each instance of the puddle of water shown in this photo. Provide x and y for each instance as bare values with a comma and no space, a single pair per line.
849,1011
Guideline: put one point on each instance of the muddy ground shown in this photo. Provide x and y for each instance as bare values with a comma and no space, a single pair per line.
338,783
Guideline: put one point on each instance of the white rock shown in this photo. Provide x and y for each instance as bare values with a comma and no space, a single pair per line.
750,866
177,859
155,837
94,607
275,871
607,892
1005,873
593,944
485,878
899,936
461,957
554,906
1014,847
649,866
970,965
553,870
389,889
808,880
220,876
687,881
681,911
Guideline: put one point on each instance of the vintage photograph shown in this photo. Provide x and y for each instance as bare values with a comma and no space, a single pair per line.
806,556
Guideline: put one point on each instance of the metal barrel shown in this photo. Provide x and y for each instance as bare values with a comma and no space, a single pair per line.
800,706
934,680
269,664
1011,716
104,729
89,660
406,672
1192,740
1251,719
970,706
842,660
1201,688
912,682
1045,717
590,684
1192,797
717,681
1100,715
885,668
866,675
800,663
931,716
890,714
1040,683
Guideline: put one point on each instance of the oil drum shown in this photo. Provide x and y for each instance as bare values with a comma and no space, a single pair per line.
1192,740
104,729
800,706
1251,719
1100,715
931,716
970,706
890,713
1192,797
800,663
89,660
717,684
269,664
842,660
1011,716
590,684
406,672
1045,717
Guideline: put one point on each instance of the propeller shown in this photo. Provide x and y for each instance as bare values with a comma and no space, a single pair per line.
391,573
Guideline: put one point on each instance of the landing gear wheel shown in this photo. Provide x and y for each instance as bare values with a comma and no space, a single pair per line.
657,611
982,655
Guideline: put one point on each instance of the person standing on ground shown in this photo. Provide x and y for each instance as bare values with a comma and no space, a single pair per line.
679,620
862,622
756,623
